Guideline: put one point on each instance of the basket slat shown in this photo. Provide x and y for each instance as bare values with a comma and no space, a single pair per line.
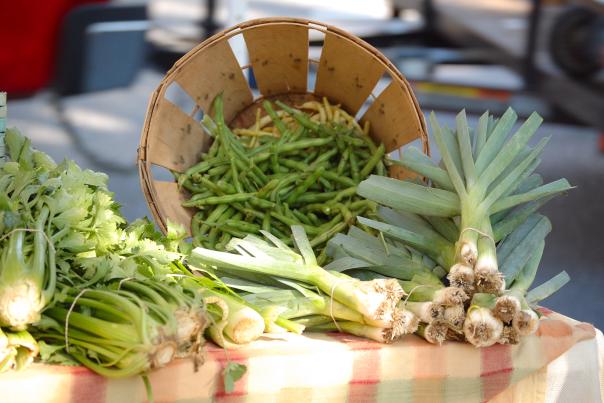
347,73
211,71
393,118
279,57
394,122
175,139
169,205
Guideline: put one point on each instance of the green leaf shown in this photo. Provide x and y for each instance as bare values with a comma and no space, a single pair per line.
418,162
505,155
53,354
465,148
550,189
231,374
481,134
548,288
411,197
450,153
515,251
496,139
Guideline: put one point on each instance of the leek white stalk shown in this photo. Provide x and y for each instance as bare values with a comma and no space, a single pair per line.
481,327
455,316
509,305
426,311
434,332
374,299
378,334
406,322
462,276
509,335
243,324
438,294
455,335
525,322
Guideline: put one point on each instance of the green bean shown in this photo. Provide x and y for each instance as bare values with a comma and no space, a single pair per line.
305,185
343,180
201,195
284,183
321,197
301,217
327,185
266,223
343,161
213,151
322,257
325,157
354,167
290,221
200,167
353,141
262,203
227,199
225,186
245,182
313,217
272,184
219,170
249,212
230,212
381,168
234,232
212,186
363,155
305,121
281,235
326,235
346,214
310,156
195,223
213,217
373,161
235,175
223,241
242,226
284,192
325,208
275,118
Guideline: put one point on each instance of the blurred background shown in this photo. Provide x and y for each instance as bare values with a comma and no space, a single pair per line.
79,74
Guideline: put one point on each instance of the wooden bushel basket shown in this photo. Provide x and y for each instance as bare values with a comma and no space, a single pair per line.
347,73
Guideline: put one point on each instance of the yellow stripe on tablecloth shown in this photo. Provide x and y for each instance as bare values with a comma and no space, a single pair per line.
174,383
288,367
38,383
397,369
463,364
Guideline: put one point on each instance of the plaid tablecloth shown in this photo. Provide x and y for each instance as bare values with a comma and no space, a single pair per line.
562,362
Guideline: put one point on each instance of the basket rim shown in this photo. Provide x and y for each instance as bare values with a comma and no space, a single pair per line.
144,168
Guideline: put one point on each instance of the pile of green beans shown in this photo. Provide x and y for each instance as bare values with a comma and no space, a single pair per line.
305,173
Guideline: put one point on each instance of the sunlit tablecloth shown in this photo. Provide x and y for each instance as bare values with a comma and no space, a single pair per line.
562,362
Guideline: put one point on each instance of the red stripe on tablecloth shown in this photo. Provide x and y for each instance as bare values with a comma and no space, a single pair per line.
363,386
87,387
240,392
545,311
496,369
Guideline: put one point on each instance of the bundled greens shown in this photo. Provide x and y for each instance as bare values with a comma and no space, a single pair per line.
289,168
357,304
88,288
474,223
